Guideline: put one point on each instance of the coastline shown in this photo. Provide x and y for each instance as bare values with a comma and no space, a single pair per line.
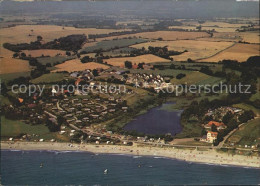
197,156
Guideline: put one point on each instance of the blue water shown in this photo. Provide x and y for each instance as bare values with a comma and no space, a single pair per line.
157,121
23,167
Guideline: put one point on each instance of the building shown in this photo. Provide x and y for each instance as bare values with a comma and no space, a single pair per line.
211,136
219,125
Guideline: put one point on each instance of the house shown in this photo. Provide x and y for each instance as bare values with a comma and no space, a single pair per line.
211,136
219,125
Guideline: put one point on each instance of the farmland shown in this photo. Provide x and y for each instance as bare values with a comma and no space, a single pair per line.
149,58
29,33
76,65
196,49
239,52
111,44
165,35
50,78
53,60
44,52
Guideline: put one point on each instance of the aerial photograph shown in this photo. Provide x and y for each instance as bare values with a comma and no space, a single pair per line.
130,92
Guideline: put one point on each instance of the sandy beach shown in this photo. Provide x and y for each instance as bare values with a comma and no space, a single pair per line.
206,156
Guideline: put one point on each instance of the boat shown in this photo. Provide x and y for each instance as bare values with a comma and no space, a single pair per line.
105,171
41,165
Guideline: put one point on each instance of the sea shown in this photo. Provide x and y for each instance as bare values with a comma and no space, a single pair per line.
60,168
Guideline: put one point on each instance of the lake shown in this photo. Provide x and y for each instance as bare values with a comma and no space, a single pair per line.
159,120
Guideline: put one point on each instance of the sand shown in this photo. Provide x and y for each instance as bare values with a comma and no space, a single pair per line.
210,156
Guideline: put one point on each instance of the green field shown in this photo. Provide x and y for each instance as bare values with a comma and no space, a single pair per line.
107,45
11,76
50,78
14,128
247,107
197,78
249,134
52,60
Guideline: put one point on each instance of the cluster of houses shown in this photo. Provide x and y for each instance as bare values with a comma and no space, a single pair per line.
83,111
219,113
217,116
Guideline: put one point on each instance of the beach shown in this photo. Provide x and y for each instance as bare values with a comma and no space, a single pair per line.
209,156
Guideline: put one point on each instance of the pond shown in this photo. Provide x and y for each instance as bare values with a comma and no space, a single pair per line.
159,120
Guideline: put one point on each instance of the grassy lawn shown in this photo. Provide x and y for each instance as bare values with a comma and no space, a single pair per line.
249,134
11,76
50,78
106,45
13,128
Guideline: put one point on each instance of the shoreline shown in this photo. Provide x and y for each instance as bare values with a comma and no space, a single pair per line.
197,156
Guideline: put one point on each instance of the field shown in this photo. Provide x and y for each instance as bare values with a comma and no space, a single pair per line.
250,37
10,76
245,106
75,65
44,52
11,65
20,34
149,58
196,49
110,44
52,60
29,33
13,128
165,35
197,78
239,52
249,134
50,78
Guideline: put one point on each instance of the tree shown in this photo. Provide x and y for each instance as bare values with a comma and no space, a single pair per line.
128,64
181,75
23,54
95,72
39,38
227,117
214,128
15,55
247,115
68,53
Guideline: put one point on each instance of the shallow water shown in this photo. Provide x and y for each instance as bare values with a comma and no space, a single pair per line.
23,167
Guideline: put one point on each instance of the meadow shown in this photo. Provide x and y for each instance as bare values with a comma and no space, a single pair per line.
53,60
249,134
50,78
